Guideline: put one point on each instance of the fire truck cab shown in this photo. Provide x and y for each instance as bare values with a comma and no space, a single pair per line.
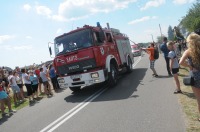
90,55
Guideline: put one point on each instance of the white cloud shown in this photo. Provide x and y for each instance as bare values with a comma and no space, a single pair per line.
28,37
75,9
22,47
5,37
146,18
43,10
153,3
180,2
26,7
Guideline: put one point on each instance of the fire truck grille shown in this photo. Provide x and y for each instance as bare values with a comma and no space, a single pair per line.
77,67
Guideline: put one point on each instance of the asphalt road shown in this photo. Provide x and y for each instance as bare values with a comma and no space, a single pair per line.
139,103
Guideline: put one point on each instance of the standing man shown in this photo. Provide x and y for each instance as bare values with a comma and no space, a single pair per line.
165,51
150,51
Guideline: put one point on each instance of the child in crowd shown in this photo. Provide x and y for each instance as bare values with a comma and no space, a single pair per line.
4,99
174,65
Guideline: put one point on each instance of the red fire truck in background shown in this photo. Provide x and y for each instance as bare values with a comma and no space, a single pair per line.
136,50
90,55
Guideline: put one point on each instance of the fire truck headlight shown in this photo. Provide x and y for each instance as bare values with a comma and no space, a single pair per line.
63,85
95,75
61,80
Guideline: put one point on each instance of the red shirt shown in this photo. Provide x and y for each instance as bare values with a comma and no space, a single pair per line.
151,53
37,72
1,88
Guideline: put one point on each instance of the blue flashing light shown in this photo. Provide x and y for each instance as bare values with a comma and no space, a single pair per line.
98,24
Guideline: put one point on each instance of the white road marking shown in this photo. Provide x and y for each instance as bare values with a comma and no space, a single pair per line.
137,61
69,112
76,111
58,122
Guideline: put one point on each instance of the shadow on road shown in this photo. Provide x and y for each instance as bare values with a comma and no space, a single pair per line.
164,76
126,86
190,95
5,118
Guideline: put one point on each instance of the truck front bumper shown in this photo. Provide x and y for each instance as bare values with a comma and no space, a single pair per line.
84,79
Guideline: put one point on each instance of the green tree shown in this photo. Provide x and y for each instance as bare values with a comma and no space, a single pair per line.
192,19
170,33
159,39
177,33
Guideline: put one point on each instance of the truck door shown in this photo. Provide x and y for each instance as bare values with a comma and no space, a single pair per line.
112,46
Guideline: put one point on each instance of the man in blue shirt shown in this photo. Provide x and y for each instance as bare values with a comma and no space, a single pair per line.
165,51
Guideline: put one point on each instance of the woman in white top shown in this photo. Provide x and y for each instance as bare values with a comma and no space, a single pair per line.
13,85
45,80
27,83
19,84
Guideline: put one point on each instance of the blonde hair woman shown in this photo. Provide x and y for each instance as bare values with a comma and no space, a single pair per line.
193,56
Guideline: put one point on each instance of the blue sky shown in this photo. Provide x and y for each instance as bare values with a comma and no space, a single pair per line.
27,25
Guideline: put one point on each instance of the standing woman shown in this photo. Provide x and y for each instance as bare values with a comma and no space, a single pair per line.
193,56
19,80
14,86
47,87
19,84
34,83
53,77
27,82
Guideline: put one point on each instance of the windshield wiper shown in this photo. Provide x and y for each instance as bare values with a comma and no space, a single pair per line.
60,53
67,51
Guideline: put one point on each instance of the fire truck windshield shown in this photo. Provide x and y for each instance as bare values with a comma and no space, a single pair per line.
74,41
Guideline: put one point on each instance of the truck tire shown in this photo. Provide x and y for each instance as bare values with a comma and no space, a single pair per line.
75,89
129,66
112,75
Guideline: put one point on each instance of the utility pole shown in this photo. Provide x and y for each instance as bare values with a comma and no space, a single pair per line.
152,38
160,31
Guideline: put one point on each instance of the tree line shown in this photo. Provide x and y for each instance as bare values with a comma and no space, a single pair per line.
188,23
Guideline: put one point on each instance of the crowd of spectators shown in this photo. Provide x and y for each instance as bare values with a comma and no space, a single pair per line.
21,83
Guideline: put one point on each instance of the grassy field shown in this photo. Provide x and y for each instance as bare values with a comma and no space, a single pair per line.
189,105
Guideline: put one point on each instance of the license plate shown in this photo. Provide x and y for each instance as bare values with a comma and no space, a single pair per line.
75,76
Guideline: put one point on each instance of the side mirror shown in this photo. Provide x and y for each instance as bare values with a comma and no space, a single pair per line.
50,51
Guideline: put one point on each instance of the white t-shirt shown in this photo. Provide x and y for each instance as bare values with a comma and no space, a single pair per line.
176,44
18,80
24,75
12,80
43,76
172,55
44,69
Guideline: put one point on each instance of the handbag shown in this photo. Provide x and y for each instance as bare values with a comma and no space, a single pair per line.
188,81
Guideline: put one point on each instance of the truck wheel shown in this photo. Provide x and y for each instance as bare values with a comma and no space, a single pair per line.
112,75
75,89
129,66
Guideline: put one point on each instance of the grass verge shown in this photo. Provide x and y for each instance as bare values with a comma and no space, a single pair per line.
189,105
20,105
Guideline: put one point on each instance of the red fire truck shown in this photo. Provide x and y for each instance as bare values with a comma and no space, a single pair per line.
91,55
